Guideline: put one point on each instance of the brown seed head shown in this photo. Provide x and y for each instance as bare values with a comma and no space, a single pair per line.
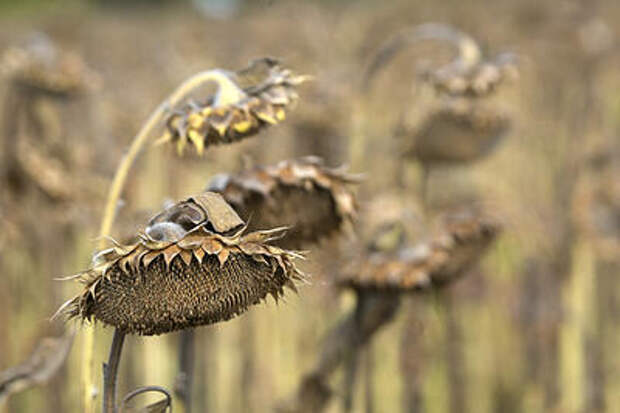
459,245
187,277
246,102
460,131
312,200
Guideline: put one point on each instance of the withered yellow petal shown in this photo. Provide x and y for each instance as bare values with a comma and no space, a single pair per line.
197,140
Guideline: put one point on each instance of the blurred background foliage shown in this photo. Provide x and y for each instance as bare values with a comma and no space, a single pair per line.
535,327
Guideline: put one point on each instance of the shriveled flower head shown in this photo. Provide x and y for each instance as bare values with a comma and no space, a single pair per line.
194,265
468,74
246,102
478,79
40,66
452,251
459,131
314,201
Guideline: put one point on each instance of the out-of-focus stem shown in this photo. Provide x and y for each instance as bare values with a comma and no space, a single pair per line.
411,346
89,389
369,375
248,367
371,313
185,378
454,353
412,357
12,107
350,375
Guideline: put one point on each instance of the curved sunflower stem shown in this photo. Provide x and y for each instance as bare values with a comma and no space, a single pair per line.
89,389
142,137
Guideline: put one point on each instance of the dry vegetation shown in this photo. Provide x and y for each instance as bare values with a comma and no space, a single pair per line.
464,259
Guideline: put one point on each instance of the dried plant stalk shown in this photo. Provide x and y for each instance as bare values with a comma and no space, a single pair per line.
459,131
373,311
429,264
41,366
57,181
39,65
314,201
176,278
246,102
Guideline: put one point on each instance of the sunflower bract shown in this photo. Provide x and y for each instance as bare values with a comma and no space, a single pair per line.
204,277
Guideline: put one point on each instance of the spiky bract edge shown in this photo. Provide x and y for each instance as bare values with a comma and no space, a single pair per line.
198,244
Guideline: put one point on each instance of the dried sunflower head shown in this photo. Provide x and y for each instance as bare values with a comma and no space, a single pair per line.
459,131
40,66
459,245
193,266
246,102
475,80
311,199
468,74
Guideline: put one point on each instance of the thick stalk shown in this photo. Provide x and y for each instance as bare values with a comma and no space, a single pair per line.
372,312
453,348
89,389
412,356
184,381
351,365
12,106
110,372
248,364
411,345
369,376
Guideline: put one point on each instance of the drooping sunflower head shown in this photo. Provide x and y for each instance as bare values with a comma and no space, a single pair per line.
245,102
194,265
458,131
40,66
312,200
479,80
461,242
469,73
